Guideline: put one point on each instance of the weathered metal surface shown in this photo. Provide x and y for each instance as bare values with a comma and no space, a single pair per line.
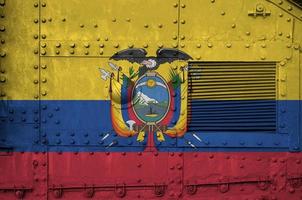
69,73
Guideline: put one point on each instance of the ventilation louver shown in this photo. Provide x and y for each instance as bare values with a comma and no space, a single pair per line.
232,97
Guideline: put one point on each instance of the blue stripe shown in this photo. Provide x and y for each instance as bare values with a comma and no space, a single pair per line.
75,125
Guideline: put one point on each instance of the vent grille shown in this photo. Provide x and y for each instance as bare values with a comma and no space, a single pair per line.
232,97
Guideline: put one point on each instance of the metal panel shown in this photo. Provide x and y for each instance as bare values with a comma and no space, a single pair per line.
102,27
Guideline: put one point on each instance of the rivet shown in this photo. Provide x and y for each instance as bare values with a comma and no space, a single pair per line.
36,21
36,4
160,45
280,14
175,21
86,52
116,45
36,81
296,47
175,5
2,79
291,190
146,25
198,57
210,45
72,45
36,36
44,80
263,45
58,45
247,45
43,45
82,25
174,37
198,45
106,38
113,20
95,25
182,45
129,45
43,52
160,25
288,19
183,21
183,5
212,1
282,63
43,20
233,25
288,35
71,51
44,93
182,37
262,57
86,45
289,8
228,45
247,33
145,45
280,33
288,45
128,19
175,45
64,20
101,52
2,41
280,2
98,39
36,51
222,13
36,66
44,66
43,36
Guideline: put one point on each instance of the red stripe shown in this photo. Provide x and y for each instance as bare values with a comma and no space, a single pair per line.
208,175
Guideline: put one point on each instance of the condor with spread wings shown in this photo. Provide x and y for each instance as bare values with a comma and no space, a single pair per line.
138,55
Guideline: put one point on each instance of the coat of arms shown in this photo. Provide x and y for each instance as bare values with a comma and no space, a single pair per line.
145,102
